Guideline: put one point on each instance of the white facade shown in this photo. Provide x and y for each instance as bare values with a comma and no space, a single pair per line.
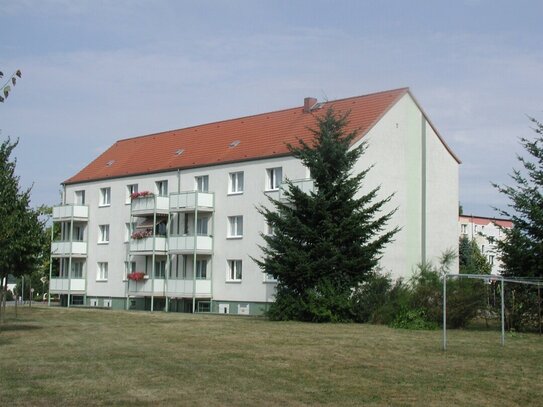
486,232
213,269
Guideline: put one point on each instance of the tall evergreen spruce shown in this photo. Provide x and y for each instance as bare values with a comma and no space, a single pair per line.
522,248
327,242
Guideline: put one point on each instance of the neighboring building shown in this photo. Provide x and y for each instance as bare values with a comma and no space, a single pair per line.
485,231
170,221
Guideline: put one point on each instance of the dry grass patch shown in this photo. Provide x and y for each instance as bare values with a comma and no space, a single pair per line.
94,357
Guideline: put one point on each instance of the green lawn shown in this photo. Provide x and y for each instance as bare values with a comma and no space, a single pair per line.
53,356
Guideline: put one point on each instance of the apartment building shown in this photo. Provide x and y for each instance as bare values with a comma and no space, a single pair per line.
169,221
486,232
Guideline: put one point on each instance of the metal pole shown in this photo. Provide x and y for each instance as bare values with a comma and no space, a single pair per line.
194,252
503,315
23,289
539,305
153,257
50,266
444,311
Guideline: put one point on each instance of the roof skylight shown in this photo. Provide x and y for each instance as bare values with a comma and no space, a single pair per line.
234,143
110,163
179,151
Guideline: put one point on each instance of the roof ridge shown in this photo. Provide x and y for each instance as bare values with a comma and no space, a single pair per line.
405,89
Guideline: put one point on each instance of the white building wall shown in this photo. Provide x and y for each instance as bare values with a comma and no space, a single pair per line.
395,150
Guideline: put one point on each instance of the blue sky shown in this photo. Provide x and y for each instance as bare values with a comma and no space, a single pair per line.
98,71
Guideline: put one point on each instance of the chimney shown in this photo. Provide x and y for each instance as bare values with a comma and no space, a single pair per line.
309,103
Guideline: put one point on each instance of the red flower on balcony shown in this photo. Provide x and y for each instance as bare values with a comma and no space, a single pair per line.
136,276
142,234
142,194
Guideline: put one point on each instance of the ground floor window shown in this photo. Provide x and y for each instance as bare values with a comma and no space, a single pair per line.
204,306
77,300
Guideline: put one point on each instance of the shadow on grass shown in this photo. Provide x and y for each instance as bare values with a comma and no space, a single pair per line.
18,327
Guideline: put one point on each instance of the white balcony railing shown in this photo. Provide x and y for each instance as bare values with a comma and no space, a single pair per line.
306,185
171,287
189,200
186,244
63,249
62,212
149,204
146,244
63,284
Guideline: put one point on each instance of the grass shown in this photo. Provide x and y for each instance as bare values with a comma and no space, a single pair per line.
54,356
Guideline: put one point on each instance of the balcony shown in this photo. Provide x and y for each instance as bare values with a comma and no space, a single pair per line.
185,244
66,249
172,288
148,244
307,186
191,200
149,204
68,212
63,284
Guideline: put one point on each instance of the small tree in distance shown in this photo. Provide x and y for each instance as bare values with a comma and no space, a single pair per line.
325,243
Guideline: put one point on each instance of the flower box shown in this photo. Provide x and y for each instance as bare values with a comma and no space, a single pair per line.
142,194
141,234
136,276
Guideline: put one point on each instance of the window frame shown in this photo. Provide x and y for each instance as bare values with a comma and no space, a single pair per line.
79,194
204,183
161,187
271,178
103,231
234,226
198,272
105,197
234,183
102,272
235,268
130,189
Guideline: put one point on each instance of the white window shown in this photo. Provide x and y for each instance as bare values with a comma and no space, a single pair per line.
104,234
107,303
105,196
491,259
162,188
201,269
243,309
201,226
77,269
236,183
160,269
464,229
130,189
202,183
79,197
235,226
268,278
224,308
129,267
102,272
268,229
94,302
79,233
234,270
274,178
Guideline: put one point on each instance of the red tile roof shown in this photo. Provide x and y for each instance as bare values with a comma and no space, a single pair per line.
259,136
481,220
